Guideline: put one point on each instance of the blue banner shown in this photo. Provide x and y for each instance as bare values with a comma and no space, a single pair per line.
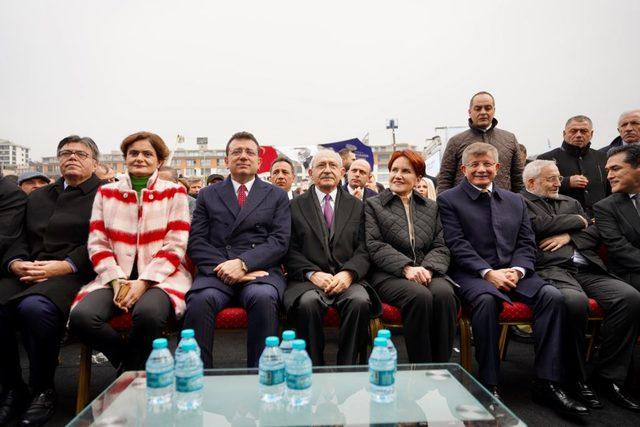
362,151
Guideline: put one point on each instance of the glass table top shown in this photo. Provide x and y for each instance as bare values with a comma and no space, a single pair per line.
425,394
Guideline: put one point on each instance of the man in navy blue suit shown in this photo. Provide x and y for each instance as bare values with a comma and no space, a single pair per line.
493,252
357,178
239,234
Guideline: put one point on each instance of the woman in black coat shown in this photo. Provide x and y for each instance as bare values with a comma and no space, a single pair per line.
46,265
410,259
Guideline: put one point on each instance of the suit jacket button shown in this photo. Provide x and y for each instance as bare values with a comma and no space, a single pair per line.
228,247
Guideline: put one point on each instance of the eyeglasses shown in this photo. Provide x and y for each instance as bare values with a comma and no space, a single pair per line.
65,154
238,152
554,178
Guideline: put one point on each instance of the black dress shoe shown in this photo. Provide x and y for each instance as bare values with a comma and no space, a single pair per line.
618,396
551,394
587,395
40,410
14,400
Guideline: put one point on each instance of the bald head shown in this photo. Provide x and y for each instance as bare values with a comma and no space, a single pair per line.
629,126
359,173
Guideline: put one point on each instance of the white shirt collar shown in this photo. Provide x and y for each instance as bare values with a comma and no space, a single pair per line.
290,194
236,185
631,196
320,195
490,187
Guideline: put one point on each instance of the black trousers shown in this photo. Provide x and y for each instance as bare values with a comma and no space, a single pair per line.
619,329
428,316
150,314
548,323
41,325
354,309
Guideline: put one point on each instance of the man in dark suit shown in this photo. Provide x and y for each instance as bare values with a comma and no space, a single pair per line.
488,232
239,234
357,179
567,258
328,261
617,216
282,174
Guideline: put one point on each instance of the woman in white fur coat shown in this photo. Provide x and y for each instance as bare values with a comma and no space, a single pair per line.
137,242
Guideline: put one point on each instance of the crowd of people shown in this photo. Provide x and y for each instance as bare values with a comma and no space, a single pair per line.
489,229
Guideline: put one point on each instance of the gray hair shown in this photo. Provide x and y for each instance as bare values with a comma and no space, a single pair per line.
477,149
85,140
579,118
534,169
325,152
628,113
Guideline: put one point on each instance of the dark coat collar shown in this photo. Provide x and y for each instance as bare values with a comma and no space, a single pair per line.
575,151
494,123
86,187
474,193
387,195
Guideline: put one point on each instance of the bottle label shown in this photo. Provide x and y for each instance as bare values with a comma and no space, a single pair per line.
189,384
381,378
271,377
160,379
298,381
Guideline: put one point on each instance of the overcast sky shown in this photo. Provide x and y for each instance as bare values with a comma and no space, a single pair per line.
300,72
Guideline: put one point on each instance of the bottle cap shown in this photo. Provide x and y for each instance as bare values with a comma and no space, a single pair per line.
159,343
384,333
288,335
380,342
299,344
272,341
188,346
187,333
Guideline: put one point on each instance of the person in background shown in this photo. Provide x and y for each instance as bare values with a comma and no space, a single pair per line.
347,155
282,174
148,276
239,236
105,173
30,181
628,129
170,174
410,260
482,127
214,178
488,231
47,265
581,166
568,258
425,188
358,177
327,263
195,185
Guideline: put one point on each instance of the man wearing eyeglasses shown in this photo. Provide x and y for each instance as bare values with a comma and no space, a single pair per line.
239,234
567,258
583,167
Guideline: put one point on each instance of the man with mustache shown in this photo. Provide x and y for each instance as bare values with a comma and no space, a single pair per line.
282,174
567,258
628,128
482,127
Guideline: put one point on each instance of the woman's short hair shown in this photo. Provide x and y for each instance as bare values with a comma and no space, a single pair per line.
84,140
414,158
161,149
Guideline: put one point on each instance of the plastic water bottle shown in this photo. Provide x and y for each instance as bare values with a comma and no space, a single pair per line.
386,334
271,371
189,373
159,376
381,372
187,335
299,375
287,342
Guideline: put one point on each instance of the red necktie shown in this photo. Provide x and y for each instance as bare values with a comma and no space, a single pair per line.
242,195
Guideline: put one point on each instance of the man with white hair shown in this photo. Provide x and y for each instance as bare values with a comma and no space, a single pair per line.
567,258
628,128
357,178
328,262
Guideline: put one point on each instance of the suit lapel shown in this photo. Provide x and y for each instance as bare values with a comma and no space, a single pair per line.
315,220
345,205
229,197
258,192
628,210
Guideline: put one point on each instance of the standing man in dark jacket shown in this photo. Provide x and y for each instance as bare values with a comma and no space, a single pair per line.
482,128
567,258
48,264
581,166
629,129
12,205
328,262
